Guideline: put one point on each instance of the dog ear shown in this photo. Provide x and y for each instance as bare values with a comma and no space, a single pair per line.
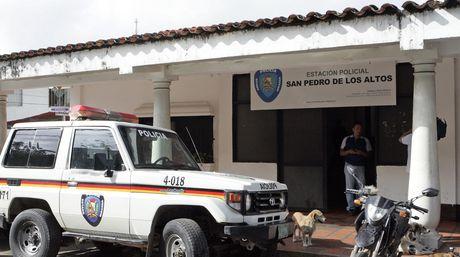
316,214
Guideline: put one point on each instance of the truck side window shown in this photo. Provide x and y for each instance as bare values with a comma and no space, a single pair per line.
95,150
33,148
46,143
19,151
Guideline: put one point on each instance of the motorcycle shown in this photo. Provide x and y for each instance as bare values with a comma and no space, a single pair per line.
383,222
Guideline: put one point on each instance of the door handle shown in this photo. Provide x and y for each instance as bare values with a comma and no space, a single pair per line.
72,184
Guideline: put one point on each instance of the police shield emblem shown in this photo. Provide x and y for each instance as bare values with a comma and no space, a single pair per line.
92,208
268,84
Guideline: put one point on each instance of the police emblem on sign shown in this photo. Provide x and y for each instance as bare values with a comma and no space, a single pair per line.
92,208
268,84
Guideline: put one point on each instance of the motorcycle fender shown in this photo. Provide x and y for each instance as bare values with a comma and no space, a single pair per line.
367,235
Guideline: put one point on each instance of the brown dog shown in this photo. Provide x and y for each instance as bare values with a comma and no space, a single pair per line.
305,226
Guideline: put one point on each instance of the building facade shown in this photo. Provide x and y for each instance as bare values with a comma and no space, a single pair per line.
203,79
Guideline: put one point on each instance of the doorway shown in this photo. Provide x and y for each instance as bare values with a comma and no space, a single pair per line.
309,160
301,157
338,126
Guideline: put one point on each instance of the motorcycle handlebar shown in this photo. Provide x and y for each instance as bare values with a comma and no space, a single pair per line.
418,208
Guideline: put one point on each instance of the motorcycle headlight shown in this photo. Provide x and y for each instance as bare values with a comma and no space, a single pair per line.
375,213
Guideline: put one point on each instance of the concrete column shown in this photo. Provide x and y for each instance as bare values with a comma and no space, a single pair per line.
161,103
424,171
3,119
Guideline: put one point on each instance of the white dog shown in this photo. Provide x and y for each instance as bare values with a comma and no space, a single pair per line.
305,226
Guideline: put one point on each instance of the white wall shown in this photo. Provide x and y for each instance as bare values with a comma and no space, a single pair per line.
34,101
215,89
393,180
261,170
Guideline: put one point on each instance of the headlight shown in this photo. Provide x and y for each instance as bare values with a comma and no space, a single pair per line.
248,202
283,200
234,200
375,213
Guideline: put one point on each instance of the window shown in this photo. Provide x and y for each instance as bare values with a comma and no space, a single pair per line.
393,121
33,148
156,149
59,97
45,148
254,132
201,130
95,150
15,99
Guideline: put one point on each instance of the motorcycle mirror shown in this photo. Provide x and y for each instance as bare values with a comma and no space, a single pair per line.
430,192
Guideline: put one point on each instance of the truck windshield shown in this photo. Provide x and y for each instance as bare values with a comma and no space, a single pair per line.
156,149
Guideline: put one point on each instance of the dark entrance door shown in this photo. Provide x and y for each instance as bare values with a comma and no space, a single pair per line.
338,125
301,160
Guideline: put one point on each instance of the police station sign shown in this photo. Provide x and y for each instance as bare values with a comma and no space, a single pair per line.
365,84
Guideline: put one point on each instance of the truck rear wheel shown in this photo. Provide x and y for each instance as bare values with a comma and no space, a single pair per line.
183,238
36,233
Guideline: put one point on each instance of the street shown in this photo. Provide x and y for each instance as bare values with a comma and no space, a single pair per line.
86,250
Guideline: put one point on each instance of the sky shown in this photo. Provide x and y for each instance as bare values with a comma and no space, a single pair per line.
32,24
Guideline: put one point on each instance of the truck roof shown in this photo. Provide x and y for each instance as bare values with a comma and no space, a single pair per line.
84,123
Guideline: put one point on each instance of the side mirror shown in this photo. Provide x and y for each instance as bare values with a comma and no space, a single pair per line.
108,173
430,192
101,163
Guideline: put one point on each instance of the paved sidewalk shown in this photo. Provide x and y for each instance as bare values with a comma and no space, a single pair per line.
336,237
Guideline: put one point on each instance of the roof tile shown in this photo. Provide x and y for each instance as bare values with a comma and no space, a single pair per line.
291,20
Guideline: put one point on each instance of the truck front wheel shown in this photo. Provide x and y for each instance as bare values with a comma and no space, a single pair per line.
36,233
183,238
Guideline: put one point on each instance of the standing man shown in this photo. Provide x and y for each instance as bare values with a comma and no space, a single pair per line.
355,149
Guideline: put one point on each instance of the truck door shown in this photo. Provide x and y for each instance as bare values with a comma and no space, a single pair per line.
96,185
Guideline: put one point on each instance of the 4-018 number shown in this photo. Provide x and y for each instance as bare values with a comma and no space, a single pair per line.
174,181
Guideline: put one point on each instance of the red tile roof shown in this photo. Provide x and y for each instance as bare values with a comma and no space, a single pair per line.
292,20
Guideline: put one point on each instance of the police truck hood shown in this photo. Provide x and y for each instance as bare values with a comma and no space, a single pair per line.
217,180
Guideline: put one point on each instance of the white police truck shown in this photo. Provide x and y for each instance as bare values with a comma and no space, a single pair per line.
124,184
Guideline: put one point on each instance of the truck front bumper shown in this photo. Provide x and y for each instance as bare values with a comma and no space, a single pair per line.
259,233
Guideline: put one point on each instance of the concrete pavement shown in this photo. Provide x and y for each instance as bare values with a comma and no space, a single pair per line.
333,239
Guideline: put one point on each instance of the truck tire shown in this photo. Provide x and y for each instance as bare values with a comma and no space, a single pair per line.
183,237
36,233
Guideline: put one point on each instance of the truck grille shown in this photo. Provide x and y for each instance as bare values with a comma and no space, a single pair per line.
264,202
